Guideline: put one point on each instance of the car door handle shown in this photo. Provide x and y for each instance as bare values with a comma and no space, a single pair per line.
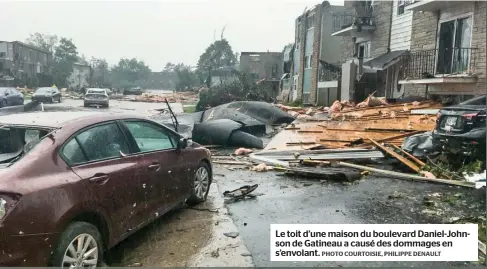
99,178
154,166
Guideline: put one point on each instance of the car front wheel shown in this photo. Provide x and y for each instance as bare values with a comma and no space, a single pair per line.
80,245
201,184
3,103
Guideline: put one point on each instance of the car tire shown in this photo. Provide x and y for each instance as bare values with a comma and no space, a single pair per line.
59,99
52,100
202,176
3,103
70,235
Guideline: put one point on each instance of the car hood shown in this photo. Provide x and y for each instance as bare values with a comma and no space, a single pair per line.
460,110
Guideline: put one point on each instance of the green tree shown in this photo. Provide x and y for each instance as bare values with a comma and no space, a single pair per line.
129,73
100,73
219,54
65,55
186,78
43,41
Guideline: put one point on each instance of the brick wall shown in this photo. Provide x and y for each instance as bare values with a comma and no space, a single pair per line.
316,54
302,37
382,16
423,37
479,41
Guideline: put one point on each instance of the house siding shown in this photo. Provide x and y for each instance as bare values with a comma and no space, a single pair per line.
401,28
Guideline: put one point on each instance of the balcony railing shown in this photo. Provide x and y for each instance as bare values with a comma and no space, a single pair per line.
328,72
410,2
437,63
344,20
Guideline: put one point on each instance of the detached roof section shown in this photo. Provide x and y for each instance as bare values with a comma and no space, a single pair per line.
385,60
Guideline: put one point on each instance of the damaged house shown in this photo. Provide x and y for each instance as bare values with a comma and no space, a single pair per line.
264,67
315,68
448,50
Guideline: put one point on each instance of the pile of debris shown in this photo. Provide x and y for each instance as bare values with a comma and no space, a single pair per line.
350,136
178,97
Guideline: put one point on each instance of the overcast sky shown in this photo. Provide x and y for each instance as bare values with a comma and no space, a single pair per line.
156,31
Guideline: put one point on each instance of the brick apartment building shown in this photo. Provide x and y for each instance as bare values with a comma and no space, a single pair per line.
315,56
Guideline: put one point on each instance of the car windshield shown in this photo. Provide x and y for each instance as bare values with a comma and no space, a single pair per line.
45,90
95,92
15,142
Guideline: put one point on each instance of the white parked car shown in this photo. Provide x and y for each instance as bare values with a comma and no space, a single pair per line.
96,97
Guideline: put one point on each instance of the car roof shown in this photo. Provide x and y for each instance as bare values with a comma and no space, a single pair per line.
52,120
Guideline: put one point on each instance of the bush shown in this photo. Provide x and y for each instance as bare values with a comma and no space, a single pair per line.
242,88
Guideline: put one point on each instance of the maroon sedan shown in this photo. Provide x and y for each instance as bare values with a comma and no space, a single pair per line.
73,184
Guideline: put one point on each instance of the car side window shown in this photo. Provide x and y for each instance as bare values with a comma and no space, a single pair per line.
150,137
72,151
8,91
97,143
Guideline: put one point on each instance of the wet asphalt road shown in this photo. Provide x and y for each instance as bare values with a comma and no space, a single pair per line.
299,200
287,200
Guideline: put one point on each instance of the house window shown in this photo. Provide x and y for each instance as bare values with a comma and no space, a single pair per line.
310,22
308,61
454,46
400,7
362,50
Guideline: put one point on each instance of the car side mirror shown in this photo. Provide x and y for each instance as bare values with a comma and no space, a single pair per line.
6,94
182,143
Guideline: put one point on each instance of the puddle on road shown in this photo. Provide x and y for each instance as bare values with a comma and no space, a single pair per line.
169,242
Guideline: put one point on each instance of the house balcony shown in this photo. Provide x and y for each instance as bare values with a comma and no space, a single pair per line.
352,25
438,66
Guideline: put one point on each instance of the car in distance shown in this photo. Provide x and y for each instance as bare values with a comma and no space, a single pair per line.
9,96
47,95
133,91
461,128
76,183
96,97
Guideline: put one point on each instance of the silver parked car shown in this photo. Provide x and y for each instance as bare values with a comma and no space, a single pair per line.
96,97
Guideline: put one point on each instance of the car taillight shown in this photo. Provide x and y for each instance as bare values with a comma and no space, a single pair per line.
470,116
7,202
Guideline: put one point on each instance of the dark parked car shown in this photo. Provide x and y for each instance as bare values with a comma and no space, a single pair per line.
47,94
461,128
74,184
10,97
133,91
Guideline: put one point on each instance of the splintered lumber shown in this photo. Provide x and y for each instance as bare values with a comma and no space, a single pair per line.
409,155
232,162
405,161
406,176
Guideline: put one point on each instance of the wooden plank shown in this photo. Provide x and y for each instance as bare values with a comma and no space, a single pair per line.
392,138
405,161
310,131
406,176
418,161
